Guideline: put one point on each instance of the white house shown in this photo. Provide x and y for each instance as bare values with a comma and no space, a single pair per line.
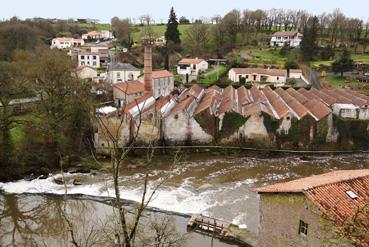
86,72
292,39
162,82
278,77
191,68
89,59
96,35
63,42
122,72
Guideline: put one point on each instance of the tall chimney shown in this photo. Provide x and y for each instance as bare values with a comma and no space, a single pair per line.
148,69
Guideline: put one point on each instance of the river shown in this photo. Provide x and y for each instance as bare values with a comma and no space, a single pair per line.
214,185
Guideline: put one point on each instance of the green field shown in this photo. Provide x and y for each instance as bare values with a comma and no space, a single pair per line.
17,131
213,77
137,29
336,80
256,55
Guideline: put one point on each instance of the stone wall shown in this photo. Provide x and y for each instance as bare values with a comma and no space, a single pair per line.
280,215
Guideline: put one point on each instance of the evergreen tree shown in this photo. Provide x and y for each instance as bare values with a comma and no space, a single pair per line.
344,63
172,32
309,45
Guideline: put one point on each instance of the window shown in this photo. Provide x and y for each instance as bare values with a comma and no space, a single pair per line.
118,74
94,63
176,116
82,57
277,78
94,57
303,228
351,194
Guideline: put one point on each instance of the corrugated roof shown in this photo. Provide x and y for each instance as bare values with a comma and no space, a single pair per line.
271,72
130,87
317,109
194,91
292,103
279,107
298,96
210,98
183,105
226,104
329,100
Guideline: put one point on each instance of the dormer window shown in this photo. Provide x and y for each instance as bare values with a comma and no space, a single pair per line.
351,194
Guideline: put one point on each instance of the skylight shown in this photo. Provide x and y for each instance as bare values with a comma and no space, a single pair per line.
351,194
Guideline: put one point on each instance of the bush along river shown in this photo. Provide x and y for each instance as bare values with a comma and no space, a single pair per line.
218,186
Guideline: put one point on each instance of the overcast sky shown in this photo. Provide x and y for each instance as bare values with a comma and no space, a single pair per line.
159,9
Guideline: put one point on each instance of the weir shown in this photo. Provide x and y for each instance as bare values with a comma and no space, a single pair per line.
222,230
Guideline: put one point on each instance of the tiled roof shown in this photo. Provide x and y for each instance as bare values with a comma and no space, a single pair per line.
195,91
333,200
191,61
328,192
304,184
249,71
161,74
130,87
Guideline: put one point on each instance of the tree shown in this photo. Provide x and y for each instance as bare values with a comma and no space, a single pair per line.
184,20
344,63
172,32
309,44
10,89
15,36
62,108
197,38
232,23
122,30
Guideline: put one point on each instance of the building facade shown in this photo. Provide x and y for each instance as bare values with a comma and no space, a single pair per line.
122,72
190,69
64,43
292,39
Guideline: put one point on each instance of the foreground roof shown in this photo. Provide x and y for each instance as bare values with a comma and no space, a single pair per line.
303,184
337,194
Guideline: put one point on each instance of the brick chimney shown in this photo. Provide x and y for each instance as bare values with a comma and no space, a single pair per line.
148,69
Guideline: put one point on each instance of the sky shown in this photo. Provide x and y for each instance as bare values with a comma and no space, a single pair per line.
159,9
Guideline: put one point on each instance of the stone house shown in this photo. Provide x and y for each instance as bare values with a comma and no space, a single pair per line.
310,211
127,92
86,72
180,127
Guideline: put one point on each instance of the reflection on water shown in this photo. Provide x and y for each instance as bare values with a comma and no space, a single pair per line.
215,185
37,220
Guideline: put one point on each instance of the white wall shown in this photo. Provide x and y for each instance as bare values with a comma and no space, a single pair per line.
123,76
92,60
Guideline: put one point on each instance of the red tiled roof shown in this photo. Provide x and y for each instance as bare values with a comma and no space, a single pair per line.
329,192
161,74
339,97
191,61
256,95
194,91
256,108
271,72
298,96
130,87
329,100
334,202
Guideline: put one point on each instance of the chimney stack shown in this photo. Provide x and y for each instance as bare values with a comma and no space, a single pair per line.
148,69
